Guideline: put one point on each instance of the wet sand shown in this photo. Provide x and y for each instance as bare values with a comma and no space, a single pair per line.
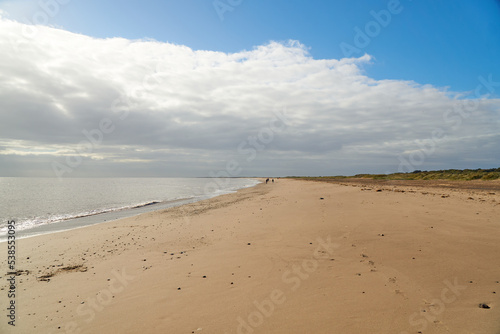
289,257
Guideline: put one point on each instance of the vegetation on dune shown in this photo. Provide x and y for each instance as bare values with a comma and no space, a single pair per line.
449,174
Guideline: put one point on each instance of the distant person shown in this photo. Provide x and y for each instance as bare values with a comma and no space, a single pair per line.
267,181
273,180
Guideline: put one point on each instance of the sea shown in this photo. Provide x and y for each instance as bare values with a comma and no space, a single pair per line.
48,205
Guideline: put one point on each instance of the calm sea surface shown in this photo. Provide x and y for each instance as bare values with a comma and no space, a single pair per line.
45,205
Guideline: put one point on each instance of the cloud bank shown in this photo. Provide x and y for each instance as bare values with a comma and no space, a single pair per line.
81,106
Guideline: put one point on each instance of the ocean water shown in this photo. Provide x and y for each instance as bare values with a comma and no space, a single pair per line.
46,205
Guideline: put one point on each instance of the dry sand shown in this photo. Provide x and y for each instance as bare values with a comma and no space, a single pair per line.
289,257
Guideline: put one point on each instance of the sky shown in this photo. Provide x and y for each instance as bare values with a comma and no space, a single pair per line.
247,88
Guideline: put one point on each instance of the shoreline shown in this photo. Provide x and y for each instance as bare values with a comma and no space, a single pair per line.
109,215
94,219
289,257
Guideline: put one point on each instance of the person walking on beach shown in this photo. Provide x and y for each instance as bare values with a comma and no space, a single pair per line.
267,180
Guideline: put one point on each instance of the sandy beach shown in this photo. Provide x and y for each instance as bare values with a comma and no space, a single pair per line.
287,257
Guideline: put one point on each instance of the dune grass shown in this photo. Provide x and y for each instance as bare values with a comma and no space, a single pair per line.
449,174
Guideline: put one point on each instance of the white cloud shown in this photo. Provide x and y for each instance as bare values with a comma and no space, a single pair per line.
188,111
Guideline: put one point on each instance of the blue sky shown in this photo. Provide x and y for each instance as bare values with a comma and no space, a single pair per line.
361,87
443,43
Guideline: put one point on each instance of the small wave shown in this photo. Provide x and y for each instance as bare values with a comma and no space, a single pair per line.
29,222
25,224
